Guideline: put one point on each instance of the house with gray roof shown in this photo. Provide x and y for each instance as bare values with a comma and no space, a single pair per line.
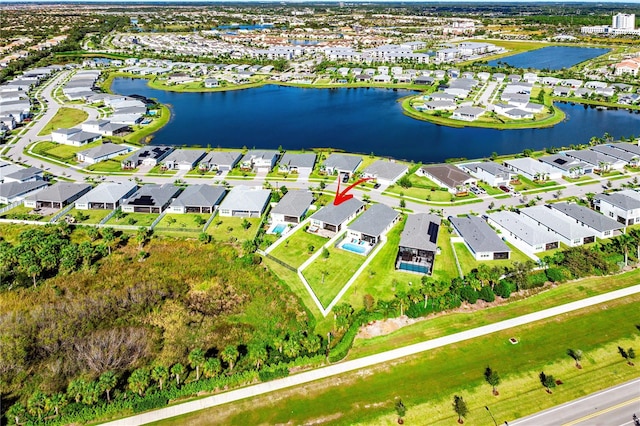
623,206
198,199
385,172
628,147
297,163
493,174
619,154
597,160
148,155
57,195
601,225
151,198
525,236
418,244
292,207
373,224
245,201
448,176
220,160
183,159
568,166
11,192
569,232
332,219
106,196
342,163
480,239
105,127
74,136
532,169
102,152
468,113
260,161
24,175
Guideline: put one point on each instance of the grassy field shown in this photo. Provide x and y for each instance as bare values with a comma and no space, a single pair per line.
134,219
295,249
427,382
94,216
527,184
110,166
230,228
327,276
65,153
21,210
65,118
425,189
468,262
182,222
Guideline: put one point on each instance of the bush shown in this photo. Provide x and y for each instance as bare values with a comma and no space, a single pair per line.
503,289
469,294
487,294
273,373
536,279
555,275
149,403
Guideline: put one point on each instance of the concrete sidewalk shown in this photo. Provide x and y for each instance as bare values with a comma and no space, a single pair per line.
344,367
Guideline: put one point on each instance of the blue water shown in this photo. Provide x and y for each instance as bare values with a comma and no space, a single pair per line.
244,27
355,120
413,268
278,229
354,248
551,58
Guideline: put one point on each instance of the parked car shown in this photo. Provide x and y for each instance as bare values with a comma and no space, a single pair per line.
504,188
376,185
345,177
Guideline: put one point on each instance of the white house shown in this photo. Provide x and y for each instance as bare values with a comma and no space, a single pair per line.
492,173
623,206
245,201
74,136
525,236
480,239
373,224
385,172
292,207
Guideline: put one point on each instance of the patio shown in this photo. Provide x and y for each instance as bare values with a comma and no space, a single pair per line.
356,246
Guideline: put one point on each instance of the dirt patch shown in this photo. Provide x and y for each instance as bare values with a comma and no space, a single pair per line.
323,420
382,327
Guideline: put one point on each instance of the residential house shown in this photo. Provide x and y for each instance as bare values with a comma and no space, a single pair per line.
332,218
106,196
151,198
568,231
57,195
489,172
183,159
292,207
627,147
100,153
148,156
628,158
438,106
373,224
10,192
23,175
385,172
568,166
245,201
342,163
448,176
220,160
260,161
418,243
468,113
525,236
623,206
533,169
297,163
74,136
603,226
210,83
198,199
597,160
105,127
480,239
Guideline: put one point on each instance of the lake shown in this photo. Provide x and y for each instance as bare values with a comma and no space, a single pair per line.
551,58
354,120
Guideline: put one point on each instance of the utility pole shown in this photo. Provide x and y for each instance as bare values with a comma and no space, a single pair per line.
492,418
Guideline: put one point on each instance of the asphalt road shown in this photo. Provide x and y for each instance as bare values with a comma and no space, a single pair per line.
611,407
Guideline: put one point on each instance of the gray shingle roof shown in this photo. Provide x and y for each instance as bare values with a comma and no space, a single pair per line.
588,217
224,158
13,189
622,201
557,222
107,192
23,174
294,203
156,152
185,156
490,167
374,220
388,170
153,195
200,196
103,150
563,162
592,157
343,162
449,175
60,192
614,152
478,234
298,160
335,215
246,198
421,232
530,234
256,154
629,147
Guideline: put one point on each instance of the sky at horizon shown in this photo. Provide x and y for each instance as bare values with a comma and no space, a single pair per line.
616,2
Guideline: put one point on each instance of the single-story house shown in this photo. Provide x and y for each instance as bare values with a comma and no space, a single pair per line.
568,166
448,176
198,199
603,226
612,151
183,159
440,96
11,192
101,153
245,201
297,163
424,80
342,163
104,127
492,173
106,196
373,224
597,160
292,207
439,106
211,82
569,232
57,195
468,113
382,78
525,236
623,206
418,243
628,147
385,172
151,198
259,160
74,136
24,175
148,155
334,218
533,169
220,160
480,239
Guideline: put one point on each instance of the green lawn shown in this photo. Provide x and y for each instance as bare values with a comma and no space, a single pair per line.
327,276
65,153
527,184
425,189
468,263
240,173
427,382
110,166
491,190
295,249
157,170
65,118
25,213
93,216
134,219
181,222
230,228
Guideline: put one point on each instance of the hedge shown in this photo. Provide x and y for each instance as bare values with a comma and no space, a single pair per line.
556,275
469,294
487,294
503,289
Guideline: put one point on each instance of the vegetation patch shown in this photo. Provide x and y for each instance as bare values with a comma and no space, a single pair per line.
65,118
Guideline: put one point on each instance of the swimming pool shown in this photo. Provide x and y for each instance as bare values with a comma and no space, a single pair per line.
279,228
354,248
412,267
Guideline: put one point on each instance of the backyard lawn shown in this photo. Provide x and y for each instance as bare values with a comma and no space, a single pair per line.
91,216
424,189
295,249
25,213
327,276
527,184
113,165
188,222
468,263
134,219
65,153
65,118
230,228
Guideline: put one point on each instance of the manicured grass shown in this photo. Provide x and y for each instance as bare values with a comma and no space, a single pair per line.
134,219
157,170
240,173
295,249
230,228
327,276
94,216
468,263
20,210
143,133
181,222
527,184
490,189
427,382
110,166
65,118
61,152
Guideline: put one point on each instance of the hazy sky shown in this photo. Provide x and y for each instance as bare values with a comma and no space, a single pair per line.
631,3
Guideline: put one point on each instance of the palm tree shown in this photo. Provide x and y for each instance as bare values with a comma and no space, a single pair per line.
625,241
230,355
258,354
109,236
177,370
139,381
576,354
211,367
106,382
547,381
58,401
160,374
75,389
323,273
196,358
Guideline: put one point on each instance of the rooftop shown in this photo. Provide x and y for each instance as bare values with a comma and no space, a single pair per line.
200,195
421,232
336,215
588,217
60,192
374,220
386,169
154,195
246,198
343,162
294,203
478,234
298,160
449,175
530,234
108,192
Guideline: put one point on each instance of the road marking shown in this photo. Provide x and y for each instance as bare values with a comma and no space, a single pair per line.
601,412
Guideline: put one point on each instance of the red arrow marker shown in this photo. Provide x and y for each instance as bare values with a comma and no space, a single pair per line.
341,197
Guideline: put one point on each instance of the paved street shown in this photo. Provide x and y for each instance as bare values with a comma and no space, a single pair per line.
612,407
344,367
